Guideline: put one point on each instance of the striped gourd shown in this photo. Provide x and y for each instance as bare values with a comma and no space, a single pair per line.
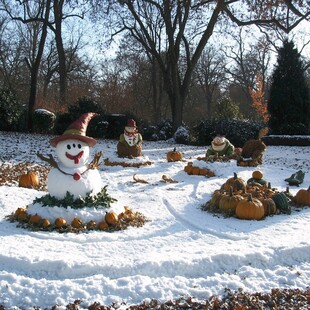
281,202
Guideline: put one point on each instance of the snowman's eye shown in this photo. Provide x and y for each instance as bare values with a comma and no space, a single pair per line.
68,146
79,146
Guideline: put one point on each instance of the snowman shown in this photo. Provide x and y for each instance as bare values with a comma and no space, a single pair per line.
220,146
130,142
73,173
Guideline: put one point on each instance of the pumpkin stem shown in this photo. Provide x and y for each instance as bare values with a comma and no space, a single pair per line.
231,192
250,198
175,149
235,175
269,185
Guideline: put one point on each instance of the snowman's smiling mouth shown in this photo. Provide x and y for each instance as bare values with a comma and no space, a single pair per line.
76,158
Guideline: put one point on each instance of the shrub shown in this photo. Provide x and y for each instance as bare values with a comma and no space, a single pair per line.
226,108
84,105
162,131
116,124
235,130
182,136
63,120
97,127
13,115
43,121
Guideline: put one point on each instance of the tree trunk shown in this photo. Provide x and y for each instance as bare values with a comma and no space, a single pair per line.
34,70
58,7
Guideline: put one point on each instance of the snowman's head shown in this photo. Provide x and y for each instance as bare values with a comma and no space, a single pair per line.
72,153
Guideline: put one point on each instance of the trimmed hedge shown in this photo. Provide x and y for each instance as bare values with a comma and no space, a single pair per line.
235,130
287,140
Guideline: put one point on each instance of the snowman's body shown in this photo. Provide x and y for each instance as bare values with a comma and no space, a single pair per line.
132,139
73,175
59,183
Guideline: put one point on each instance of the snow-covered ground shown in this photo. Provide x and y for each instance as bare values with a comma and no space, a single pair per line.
180,251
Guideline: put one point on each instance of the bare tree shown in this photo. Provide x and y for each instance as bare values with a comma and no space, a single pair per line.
12,65
171,28
247,62
30,15
210,74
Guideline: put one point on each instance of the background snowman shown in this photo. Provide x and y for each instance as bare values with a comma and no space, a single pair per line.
220,146
130,142
73,173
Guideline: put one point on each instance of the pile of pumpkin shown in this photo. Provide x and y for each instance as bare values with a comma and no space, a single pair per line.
190,169
254,199
111,221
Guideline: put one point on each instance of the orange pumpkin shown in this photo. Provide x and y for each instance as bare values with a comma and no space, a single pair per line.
269,206
302,197
45,223
235,182
111,218
195,170
22,216
257,174
103,225
189,168
250,209
18,211
174,155
35,219
60,222
216,197
229,202
91,225
77,223
29,180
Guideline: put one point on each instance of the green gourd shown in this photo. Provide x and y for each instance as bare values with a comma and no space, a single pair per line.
281,202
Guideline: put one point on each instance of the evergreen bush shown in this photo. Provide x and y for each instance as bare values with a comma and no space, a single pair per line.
13,114
235,130
43,121
161,131
289,102
97,127
182,135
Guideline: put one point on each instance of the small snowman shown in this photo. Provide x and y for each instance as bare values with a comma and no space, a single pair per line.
73,173
130,142
220,146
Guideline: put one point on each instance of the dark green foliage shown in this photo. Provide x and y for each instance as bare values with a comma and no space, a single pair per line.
162,131
97,127
63,120
11,112
289,102
100,200
235,130
182,136
43,121
226,108
116,125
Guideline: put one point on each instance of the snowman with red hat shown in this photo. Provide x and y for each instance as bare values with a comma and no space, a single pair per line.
73,173
130,142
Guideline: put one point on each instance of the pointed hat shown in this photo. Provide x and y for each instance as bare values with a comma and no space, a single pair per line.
77,131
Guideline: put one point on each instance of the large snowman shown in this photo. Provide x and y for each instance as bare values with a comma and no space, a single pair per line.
72,173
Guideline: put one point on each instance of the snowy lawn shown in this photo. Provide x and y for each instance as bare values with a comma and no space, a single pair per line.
180,251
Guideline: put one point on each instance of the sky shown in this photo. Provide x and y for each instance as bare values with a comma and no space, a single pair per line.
180,251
